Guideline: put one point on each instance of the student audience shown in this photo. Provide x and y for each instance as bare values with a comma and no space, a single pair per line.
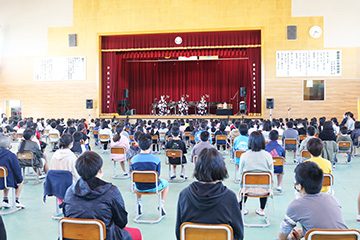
313,209
177,144
145,161
64,158
276,150
14,178
203,144
315,147
92,197
39,161
207,200
256,160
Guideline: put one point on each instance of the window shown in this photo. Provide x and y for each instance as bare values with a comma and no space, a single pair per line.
314,90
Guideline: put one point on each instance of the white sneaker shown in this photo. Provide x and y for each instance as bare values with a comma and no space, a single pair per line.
245,212
358,218
19,205
279,189
5,204
260,212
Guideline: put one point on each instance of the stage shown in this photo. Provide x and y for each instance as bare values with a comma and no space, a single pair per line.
173,117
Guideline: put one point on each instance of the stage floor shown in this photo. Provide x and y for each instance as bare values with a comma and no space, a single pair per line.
150,117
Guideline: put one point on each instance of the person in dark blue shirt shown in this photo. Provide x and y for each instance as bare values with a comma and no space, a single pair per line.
145,161
14,178
276,150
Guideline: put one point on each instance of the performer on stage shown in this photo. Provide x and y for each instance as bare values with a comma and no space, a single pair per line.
202,105
162,106
183,105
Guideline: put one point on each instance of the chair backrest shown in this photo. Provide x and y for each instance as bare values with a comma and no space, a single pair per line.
118,150
238,153
257,178
344,145
197,231
332,234
278,161
187,134
305,154
104,137
54,136
174,153
302,137
18,135
82,229
290,141
96,132
4,174
144,176
25,155
328,180
192,138
155,137
131,137
220,137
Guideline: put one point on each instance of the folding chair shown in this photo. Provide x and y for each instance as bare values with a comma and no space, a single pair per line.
237,154
305,154
119,150
82,229
187,137
252,181
146,177
221,138
302,137
18,136
46,135
344,147
13,208
54,181
28,156
156,138
291,144
104,138
54,138
328,181
174,153
95,132
332,234
199,231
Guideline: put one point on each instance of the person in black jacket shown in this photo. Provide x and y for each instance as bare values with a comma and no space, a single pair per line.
208,200
91,197
2,230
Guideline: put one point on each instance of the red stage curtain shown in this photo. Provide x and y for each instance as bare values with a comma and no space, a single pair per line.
219,79
146,81
225,38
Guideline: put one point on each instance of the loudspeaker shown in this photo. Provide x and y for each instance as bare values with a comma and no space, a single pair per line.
89,104
243,92
126,93
291,32
269,103
72,40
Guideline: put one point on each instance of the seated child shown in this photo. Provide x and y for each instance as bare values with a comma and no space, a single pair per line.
345,137
276,150
241,143
145,161
120,141
177,143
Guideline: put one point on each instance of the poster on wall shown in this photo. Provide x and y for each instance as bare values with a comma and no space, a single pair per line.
60,69
308,63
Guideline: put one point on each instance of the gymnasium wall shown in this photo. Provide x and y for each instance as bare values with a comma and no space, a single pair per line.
92,18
